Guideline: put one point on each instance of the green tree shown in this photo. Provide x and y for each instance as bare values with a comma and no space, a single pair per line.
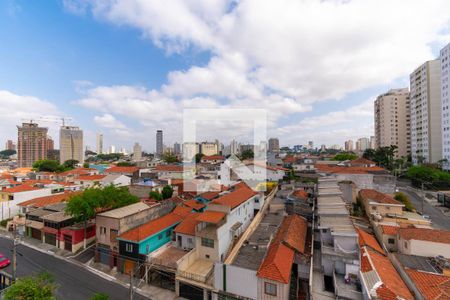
99,296
70,164
47,165
169,158
125,164
167,192
383,156
84,206
247,154
345,156
405,200
198,157
86,165
39,287
7,153
155,195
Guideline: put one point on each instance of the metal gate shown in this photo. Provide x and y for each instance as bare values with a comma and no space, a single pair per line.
50,239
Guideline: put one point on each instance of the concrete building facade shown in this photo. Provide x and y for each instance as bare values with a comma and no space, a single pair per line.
445,104
274,145
425,99
392,121
159,142
31,144
99,143
137,151
70,144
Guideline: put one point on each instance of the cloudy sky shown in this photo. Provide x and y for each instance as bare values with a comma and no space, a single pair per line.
128,67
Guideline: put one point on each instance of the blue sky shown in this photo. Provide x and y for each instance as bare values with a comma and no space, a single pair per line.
127,68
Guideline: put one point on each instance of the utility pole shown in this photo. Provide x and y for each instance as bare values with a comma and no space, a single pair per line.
423,197
131,284
15,243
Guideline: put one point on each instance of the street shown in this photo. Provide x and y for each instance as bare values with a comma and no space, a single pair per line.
438,219
74,282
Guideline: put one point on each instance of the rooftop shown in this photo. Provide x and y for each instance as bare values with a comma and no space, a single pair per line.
338,169
376,196
116,169
194,204
46,200
187,226
124,211
91,177
424,234
431,286
20,188
415,262
57,217
367,239
235,198
210,216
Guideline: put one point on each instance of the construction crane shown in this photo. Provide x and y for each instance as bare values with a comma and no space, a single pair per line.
57,120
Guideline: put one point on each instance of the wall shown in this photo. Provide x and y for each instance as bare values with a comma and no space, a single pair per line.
9,209
185,241
155,241
348,192
239,281
423,248
282,290
108,223
381,209
381,183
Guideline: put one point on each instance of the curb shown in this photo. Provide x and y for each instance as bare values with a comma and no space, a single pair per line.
77,263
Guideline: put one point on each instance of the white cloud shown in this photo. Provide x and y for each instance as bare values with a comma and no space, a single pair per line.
15,109
108,121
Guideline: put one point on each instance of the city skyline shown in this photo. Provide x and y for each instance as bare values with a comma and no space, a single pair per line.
159,61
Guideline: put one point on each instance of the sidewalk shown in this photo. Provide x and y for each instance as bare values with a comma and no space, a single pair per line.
80,259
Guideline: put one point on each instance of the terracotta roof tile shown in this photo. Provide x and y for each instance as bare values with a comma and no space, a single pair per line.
209,195
91,177
118,169
389,230
362,161
142,232
235,198
47,200
392,284
292,232
377,196
277,263
425,234
210,216
194,204
77,171
302,194
213,157
169,168
182,211
348,170
431,286
20,188
187,226
367,239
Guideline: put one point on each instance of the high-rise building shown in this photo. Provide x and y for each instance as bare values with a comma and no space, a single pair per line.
208,148
190,150
159,142
112,149
274,145
445,104
99,143
323,147
362,144
426,116
310,145
9,145
176,148
137,152
31,144
372,142
235,147
392,121
349,145
70,144
50,144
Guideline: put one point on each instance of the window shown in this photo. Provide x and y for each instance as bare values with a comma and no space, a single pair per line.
270,289
208,242
391,241
160,236
406,245
102,230
129,247
168,233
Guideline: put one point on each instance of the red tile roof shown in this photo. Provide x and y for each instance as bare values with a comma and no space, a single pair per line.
209,195
290,237
389,230
116,169
169,168
91,177
38,181
424,234
142,232
47,200
289,159
20,188
302,194
431,286
182,211
348,170
362,161
377,196
194,204
392,284
235,198
210,216
367,239
79,171
187,226
213,157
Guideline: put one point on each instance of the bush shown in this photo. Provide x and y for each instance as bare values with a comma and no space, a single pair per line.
404,199
3,223
100,296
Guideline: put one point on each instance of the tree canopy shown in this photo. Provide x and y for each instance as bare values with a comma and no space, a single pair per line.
169,158
345,156
7,153
167,192
155,195
39,287
125,164
86,204
48,165
99,296
427,174
247,154
70,164
384,156
198,157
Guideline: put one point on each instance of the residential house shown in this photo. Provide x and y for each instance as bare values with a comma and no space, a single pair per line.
424,242
379,204
44,201
430,286
131,171
387,234
185,232
116,180
174,172
212,159
194,205
71,175
34,224
89,181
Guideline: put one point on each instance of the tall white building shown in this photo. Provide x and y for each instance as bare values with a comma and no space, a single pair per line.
362,144
137,152
190,150
177,148
99,143
208,149
426,115
392,121
349,145
159,142
70,144
445,104
112,149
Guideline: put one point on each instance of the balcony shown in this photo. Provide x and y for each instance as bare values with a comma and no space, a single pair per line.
347,289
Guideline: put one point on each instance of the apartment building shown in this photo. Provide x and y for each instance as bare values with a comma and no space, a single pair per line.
445,104
348,145
426,116
209,149
99,148
274,145
71,144
31,144
159,142
392,121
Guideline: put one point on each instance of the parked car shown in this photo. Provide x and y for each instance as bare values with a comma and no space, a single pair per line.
4,262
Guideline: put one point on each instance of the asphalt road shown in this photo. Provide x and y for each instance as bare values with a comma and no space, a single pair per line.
438,219
74,282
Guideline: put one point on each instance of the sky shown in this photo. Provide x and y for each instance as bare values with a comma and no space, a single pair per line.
126,68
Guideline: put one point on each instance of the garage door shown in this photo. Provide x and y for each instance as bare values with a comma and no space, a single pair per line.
68,242
36,234
50,238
